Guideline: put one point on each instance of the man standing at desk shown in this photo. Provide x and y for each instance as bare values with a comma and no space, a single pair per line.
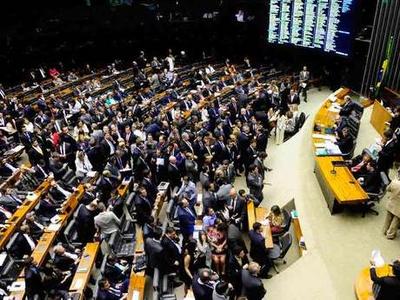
304,77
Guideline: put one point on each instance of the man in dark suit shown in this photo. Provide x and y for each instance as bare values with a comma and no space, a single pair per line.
154,251
203,285
255,183
64,260
251,155
345,142
149,185
143,206
258,251
85,222
236,206
347,107
33,280
24,244
96,156
171,251
187,218
174,174
237,262
233,108
293,98
129,137
108,292
252,285
259,163
389,286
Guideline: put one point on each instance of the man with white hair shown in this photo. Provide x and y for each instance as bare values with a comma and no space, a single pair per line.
348,107
174,174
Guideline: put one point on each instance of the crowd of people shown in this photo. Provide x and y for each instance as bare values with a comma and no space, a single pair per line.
199,145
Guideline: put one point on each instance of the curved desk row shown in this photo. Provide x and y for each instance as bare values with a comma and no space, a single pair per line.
337,182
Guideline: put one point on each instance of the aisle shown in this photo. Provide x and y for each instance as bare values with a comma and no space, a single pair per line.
340,245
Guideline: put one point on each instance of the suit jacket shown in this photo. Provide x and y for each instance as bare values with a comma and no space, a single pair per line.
151,189
253,287
174,176
33,282
389,286
251,155
186,220
96,158
201,291
20,246
170,254
255,185
144,208
345,144
154,251
64,263
239,210
85,224
293,99
347,109
258,251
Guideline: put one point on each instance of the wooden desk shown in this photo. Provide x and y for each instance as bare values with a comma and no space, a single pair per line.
137,282
363,283
84,269
19,215
259,214
339,188
123,188
379,117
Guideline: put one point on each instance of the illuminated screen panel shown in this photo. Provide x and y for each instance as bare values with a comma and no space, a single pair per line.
318,24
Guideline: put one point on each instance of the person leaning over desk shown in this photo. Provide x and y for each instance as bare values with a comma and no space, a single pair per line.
388,286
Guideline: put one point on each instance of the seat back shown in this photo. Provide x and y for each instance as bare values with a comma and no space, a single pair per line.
285,242
288,219
301,120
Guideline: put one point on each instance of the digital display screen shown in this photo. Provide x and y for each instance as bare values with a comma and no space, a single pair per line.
318,24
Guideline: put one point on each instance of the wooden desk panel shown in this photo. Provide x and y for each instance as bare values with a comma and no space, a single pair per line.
84,269
137,282
379,117
363,283
340,187
251,214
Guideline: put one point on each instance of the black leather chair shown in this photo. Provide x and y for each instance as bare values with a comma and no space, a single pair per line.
376,197
279,251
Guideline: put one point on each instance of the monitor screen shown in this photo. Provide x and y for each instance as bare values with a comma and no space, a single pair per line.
319,24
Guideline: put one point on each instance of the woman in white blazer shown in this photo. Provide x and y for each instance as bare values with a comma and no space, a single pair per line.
83,165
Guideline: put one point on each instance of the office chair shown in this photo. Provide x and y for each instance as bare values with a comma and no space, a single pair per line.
279,251
288,221
349,155
122,245
376,197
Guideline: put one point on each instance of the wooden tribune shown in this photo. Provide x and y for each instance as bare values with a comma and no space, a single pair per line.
337,184
379,117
